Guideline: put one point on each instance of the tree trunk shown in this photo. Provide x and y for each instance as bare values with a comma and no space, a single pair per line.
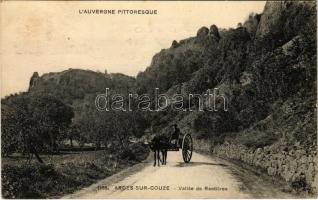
71,140
33,150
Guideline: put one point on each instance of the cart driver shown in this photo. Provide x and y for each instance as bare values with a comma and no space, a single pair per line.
174,138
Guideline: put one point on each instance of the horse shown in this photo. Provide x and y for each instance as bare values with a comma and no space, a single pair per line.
159,144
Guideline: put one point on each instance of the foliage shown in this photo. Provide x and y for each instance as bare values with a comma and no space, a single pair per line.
64,173
268,78
33,123
280,63
44,178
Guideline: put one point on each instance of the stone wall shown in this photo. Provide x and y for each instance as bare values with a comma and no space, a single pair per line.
295,165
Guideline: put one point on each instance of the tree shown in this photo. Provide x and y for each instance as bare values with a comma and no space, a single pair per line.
33,124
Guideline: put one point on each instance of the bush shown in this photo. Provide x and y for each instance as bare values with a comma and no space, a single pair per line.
32,181
128,154
140,151
257,139
299,184
135,152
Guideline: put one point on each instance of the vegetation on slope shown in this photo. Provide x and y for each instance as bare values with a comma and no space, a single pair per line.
266,69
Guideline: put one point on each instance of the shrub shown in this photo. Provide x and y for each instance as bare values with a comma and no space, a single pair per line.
33,181
299,184
257,139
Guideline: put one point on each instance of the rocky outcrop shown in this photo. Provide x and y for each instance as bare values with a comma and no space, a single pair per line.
204,31
290,47
271,18
33,80
76,85
251,23
174,44
279,17
214,32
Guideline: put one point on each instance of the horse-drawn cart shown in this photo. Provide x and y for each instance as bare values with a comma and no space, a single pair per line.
186,144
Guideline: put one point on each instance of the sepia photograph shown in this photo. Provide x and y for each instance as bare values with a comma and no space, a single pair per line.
158,99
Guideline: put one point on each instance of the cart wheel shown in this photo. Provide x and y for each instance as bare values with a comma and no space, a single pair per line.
187,147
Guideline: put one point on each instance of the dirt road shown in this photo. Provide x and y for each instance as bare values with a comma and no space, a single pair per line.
203,177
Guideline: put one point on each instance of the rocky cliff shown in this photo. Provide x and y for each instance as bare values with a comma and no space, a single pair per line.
266,69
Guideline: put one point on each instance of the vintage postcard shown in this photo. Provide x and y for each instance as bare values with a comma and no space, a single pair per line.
158,99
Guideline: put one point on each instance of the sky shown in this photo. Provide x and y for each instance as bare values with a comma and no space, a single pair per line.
52,36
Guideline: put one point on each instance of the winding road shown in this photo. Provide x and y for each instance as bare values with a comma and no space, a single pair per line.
203,177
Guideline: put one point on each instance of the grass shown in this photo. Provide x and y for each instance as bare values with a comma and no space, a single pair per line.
64,173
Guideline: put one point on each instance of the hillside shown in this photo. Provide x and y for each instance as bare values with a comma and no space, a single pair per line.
265,68
75,84
257,65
